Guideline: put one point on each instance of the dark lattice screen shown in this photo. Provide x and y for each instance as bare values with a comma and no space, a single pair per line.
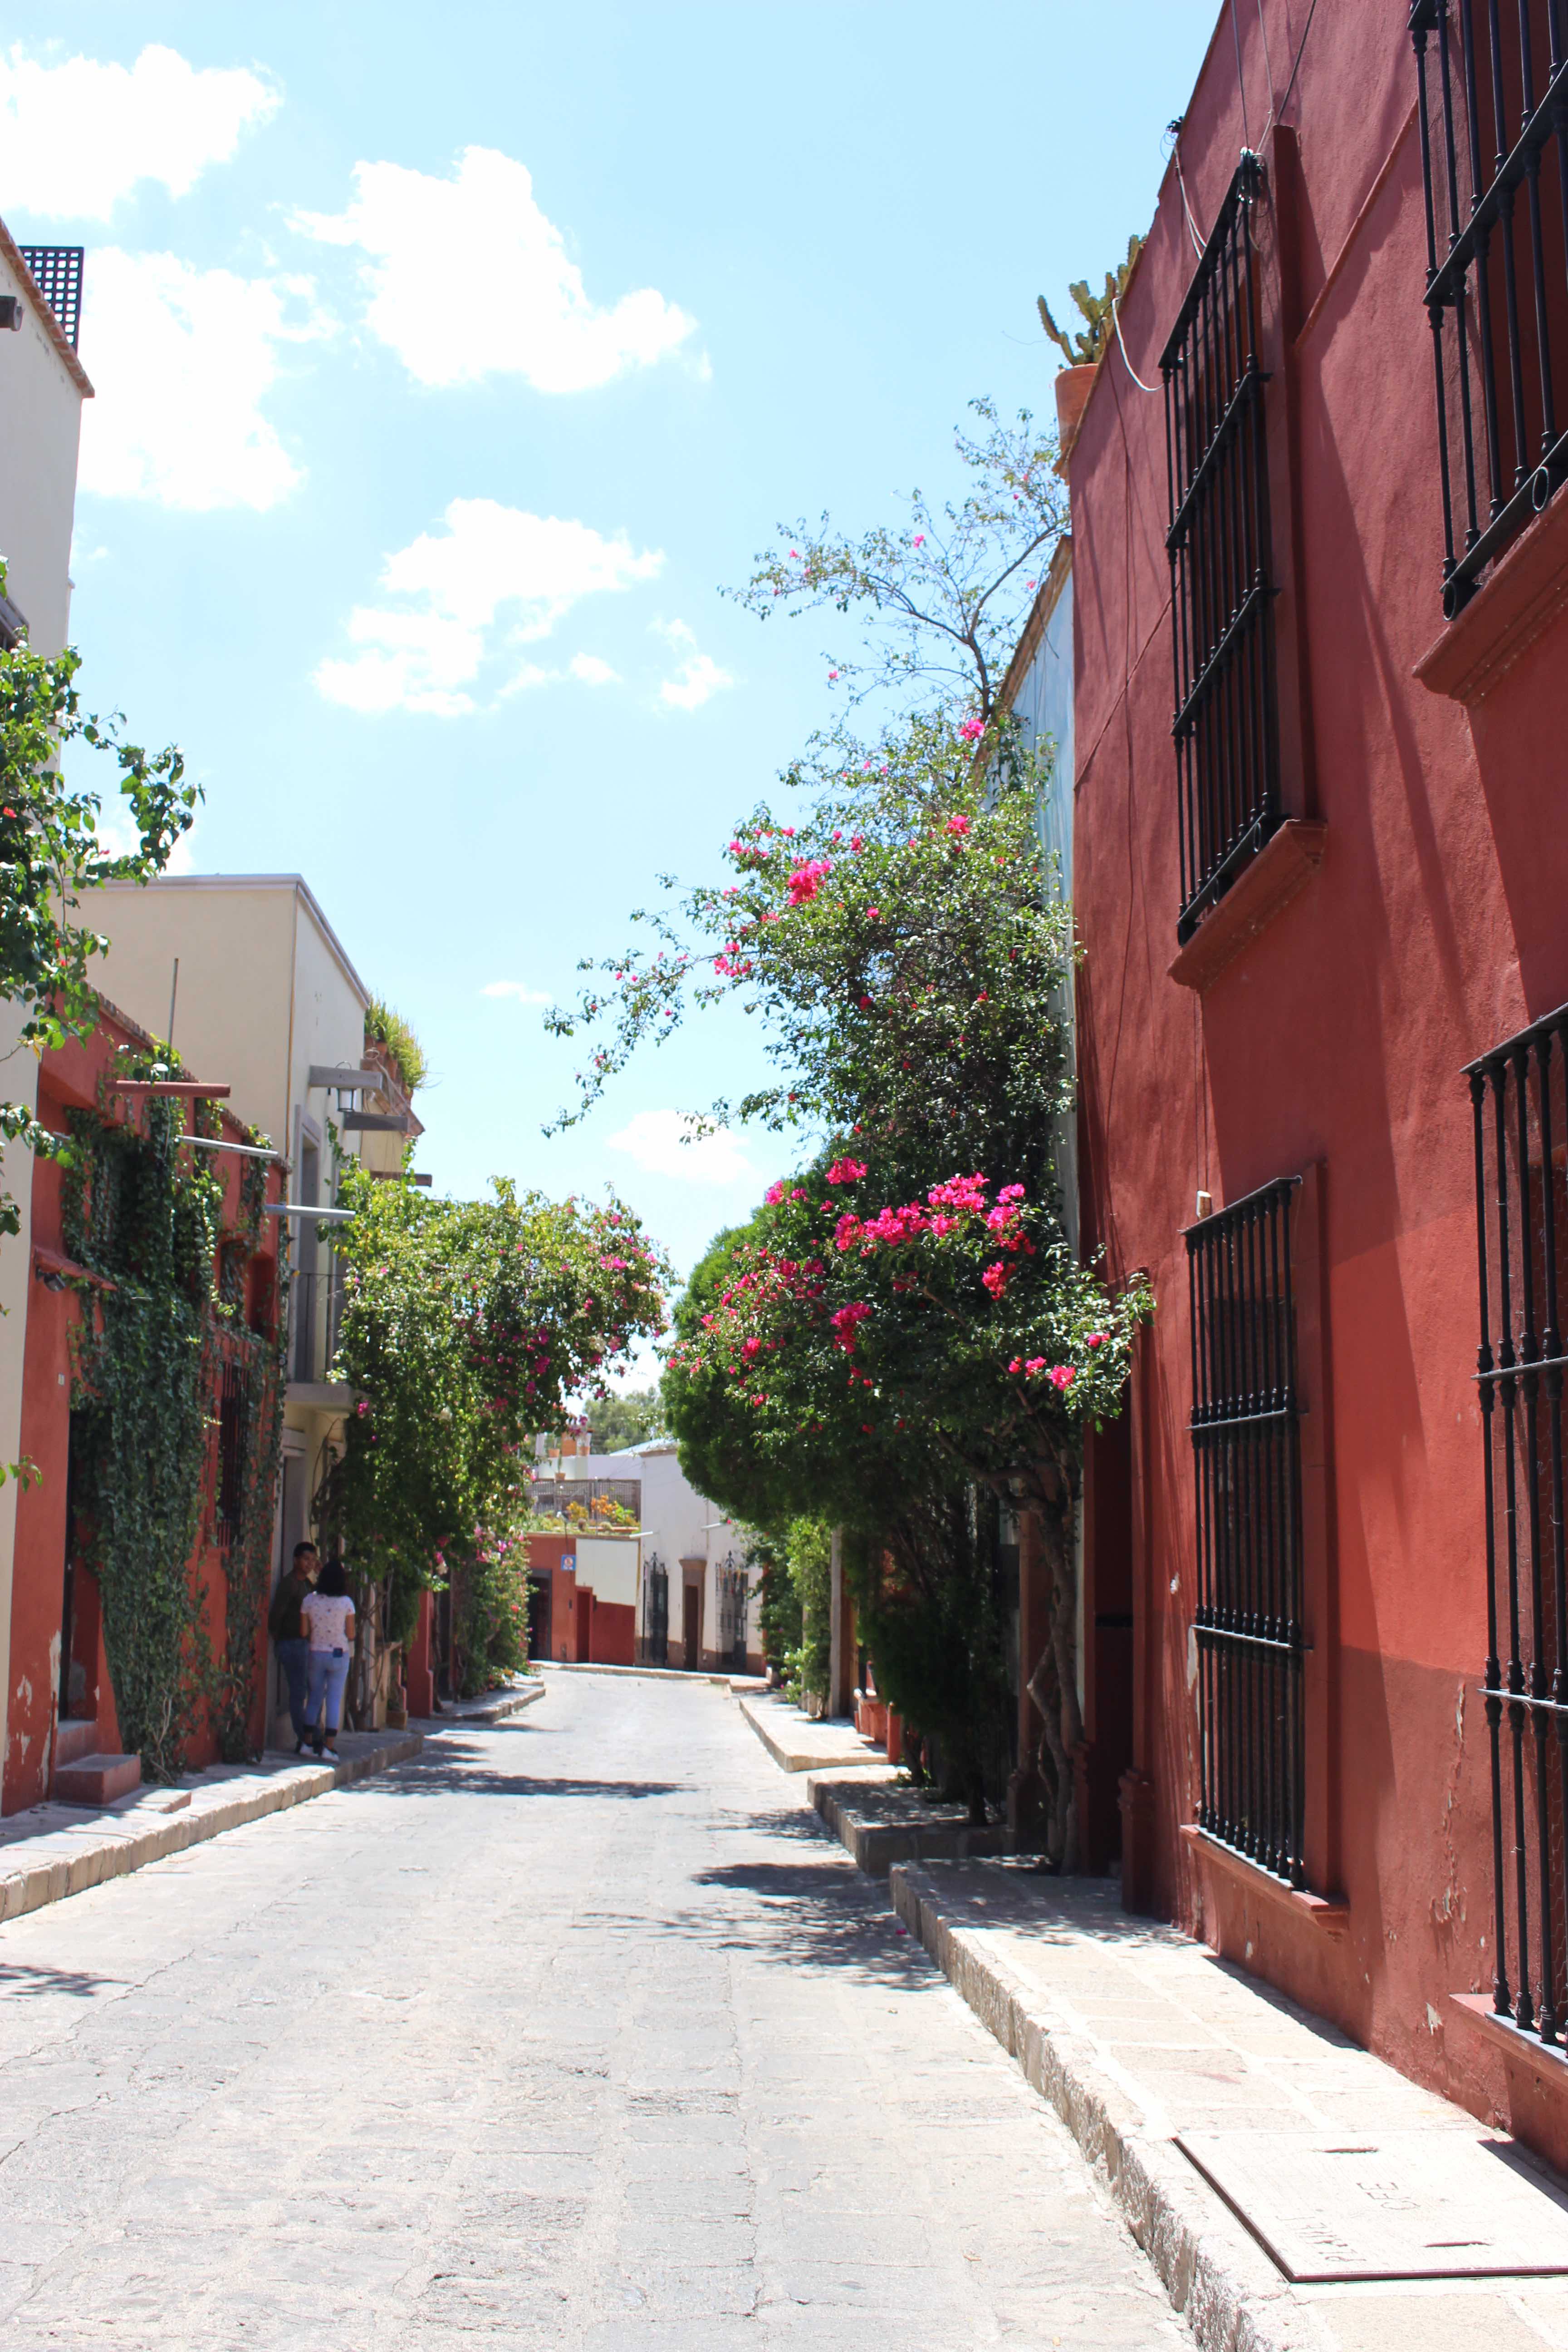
1246,1441
56,271
1218,543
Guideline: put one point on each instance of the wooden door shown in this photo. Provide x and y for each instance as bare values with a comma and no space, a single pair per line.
692,1626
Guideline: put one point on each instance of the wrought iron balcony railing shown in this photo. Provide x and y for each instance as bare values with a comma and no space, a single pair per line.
1492,84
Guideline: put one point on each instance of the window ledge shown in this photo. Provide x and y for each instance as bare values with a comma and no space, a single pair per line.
1527,589
1286,860
1474,2010
1331,1912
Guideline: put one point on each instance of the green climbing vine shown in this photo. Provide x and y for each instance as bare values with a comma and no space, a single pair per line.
149,1356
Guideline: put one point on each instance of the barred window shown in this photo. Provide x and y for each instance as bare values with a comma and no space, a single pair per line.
1225,723
1245,1442
1519,1095
1493,109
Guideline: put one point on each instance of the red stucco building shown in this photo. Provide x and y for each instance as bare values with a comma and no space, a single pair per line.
1321,914
63,1735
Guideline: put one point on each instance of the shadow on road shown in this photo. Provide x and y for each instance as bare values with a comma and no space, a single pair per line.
26,1982
805,1915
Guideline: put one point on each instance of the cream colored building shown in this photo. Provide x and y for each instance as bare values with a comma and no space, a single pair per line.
266,1000
42,387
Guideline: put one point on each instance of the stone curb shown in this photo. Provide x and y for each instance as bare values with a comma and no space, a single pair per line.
877,1843
1213,2270
492,1707
647,1673
116,1842
793,1760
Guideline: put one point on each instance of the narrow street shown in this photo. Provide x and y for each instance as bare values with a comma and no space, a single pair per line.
577,2032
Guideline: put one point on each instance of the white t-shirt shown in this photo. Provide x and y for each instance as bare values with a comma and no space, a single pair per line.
325,1616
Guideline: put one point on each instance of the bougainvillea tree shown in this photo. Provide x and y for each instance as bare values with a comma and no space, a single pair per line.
467,1325
906,1327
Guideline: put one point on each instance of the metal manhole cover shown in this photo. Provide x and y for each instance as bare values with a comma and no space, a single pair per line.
1432,2204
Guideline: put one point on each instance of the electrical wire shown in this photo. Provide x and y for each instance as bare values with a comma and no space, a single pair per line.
1116,314
1267,64
1240,77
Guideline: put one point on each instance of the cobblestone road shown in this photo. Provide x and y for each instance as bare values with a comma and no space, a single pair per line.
577,2033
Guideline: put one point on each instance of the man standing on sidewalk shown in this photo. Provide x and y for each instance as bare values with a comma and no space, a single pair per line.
288,1635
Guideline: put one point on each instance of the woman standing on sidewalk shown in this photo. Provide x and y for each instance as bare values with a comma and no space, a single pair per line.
328,1616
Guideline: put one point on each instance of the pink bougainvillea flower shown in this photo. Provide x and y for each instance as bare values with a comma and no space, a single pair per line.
1017,1365
996,1278
774,1193
920,538
1097,1338
751,1348
972,729
832,675
847,1171
958,826
1035,1364
1063,1375
873,914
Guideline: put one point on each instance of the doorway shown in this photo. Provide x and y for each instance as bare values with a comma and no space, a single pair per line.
539,1598
291,1530
692,1626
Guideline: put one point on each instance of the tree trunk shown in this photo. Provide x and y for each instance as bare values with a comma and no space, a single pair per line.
1053,1685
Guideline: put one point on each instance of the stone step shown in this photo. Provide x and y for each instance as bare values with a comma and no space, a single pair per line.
97,1779
75,1737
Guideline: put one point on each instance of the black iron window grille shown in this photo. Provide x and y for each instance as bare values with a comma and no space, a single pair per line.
1493,109
1519,1094
57,273
732,1597
1246,1441
656,1613
1221,623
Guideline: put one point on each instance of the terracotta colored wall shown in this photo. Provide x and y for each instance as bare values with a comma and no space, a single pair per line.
1432,932
614,1634
69,1079
546,1552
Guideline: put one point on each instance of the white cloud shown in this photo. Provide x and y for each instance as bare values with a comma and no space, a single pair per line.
78,135
468,279
426,654
182,360
589,670
658,1141
518,991
699,678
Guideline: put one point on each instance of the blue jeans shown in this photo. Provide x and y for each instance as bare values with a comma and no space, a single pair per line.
293,1657
328,1673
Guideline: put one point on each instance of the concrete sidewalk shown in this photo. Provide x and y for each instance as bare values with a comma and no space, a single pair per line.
1160,2058
491,1705
798,1742
53,1850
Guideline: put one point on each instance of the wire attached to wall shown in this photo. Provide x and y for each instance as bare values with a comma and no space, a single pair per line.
1116,314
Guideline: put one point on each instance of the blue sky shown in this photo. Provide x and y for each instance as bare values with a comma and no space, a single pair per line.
449,361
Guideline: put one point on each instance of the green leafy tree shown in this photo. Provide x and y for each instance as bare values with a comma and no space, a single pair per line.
942,592
630,1418
51,850
467,1326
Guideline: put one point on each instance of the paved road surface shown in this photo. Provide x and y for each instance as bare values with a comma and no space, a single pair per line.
577,2033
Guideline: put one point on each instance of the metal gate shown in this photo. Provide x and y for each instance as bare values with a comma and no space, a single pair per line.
656,1613
1520,1104
732,1598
